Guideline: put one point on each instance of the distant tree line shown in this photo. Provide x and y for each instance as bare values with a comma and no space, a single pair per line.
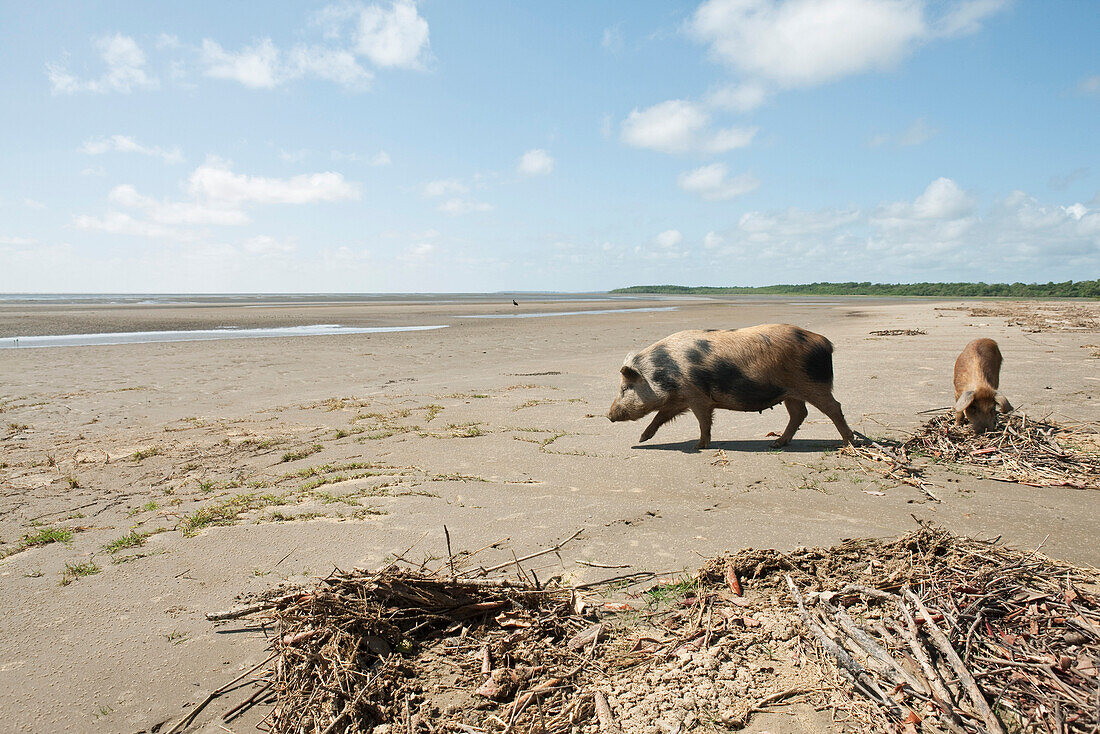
1068,289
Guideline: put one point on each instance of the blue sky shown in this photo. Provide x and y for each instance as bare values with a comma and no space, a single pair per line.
480,146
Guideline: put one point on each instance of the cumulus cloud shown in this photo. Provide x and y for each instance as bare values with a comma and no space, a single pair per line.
126,144
800,43
395,36
940,234
669,238
254,66
218,197
215,181
535,162
126,69
681,126
713,183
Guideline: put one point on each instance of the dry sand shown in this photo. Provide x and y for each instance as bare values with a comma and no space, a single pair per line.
495,428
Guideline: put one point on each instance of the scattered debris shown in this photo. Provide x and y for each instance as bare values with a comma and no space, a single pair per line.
1039,316
899,332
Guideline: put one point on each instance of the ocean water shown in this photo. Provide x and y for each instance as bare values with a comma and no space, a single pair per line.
193,335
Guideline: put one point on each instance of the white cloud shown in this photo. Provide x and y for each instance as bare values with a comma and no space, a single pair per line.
419,252
126,144
263,66
178,212
396,36
680,126
1064,181
125,69
120,223
168,41
381,158
669,238
458,206
214,181
712,240
335,65
445,186
799,43
943,199
966,17
535,162
254,66
266,245
713,183
33,204
1090,84
738,97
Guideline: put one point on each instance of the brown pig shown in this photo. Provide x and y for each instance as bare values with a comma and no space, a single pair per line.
741,369
977,376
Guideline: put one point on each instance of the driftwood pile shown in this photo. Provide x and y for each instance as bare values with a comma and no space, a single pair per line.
927,633
1022,450
899,332
942,633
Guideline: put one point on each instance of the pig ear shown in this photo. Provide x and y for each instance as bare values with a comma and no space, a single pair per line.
629,372
964,401
1003,404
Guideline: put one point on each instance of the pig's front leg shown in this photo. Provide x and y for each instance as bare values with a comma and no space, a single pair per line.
706,417
663,416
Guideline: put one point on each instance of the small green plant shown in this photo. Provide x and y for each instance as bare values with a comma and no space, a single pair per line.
433,411
298,455
143,454
77,571
72,482
176,637
225,512
150,506
340,433
132,539
45,536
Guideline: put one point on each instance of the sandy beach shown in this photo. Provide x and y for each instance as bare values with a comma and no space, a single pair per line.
234,465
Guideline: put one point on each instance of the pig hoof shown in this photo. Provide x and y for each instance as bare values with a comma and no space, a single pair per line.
702,445
645,437
779,443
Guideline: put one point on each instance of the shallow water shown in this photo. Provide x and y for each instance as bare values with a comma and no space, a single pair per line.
541,314
192,335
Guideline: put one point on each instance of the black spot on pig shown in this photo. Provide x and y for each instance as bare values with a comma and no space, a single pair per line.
666,372
703,346
818,363
800,335
722,378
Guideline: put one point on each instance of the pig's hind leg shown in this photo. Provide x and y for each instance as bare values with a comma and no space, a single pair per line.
797,410
663,416
828,405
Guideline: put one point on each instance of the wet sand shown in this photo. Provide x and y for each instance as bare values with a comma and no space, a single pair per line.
340,450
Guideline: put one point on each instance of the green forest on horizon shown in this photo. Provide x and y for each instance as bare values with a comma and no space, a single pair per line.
1068,289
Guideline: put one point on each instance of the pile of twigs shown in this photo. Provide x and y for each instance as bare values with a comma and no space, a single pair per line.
899,332
422,648
1022,450
948,633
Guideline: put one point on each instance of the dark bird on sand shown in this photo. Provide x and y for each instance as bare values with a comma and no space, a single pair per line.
514,302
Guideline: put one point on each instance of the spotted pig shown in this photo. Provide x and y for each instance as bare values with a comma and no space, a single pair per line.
739,369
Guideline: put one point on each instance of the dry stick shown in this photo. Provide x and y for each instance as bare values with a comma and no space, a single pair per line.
450,556
939,689
182,723
250,608
847,663
355,702
876,651
529,556
762,703
603,712
965,678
